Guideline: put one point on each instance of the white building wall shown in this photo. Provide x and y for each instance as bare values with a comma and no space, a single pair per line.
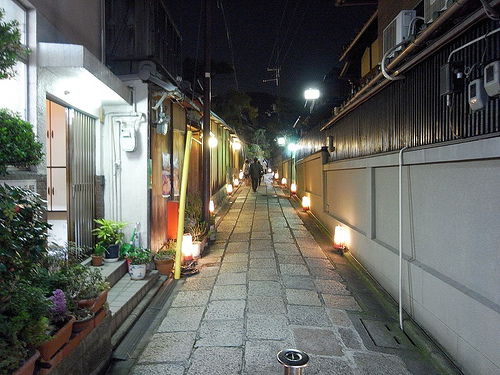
451,261
126,192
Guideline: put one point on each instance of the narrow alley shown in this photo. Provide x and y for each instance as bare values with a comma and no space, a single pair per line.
270,282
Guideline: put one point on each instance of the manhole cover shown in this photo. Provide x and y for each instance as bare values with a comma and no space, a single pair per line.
387,334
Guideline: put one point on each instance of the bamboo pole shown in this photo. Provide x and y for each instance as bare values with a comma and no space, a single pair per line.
182,206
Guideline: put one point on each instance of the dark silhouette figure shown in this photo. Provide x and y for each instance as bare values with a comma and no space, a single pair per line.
255,171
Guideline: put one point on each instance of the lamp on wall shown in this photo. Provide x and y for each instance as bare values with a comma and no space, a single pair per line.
211,207
241,175
276,175
212,141
339,237
229,189
293,188
283,181
236,182
306,203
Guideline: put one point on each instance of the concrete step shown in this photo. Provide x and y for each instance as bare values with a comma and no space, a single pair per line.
126,294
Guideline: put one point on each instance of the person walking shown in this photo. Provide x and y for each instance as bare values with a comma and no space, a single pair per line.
246,172
255,169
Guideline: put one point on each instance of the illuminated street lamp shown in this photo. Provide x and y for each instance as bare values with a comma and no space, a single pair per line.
312,95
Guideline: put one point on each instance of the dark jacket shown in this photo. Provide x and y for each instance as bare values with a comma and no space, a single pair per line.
255,169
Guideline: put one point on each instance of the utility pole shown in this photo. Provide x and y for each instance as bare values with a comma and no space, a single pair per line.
206,114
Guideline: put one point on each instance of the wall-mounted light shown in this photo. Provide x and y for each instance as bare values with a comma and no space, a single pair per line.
306,203
211,207
229,189
212,141
293,188
281,141
241,175
277,176
283,181
236,182
269,170
329,143
339,237
236,144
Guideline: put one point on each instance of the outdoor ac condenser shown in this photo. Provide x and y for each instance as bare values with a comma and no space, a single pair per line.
397,31
433,8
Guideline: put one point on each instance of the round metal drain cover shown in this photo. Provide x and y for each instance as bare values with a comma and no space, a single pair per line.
293,358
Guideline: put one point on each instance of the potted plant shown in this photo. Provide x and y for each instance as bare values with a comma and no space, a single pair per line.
197,230
23,323
165,257
138,257
60,328
109,233
99,250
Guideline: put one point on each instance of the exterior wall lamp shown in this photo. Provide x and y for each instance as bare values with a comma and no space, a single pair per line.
293,188
229,189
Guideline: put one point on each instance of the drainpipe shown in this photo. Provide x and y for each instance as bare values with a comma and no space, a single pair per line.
400,286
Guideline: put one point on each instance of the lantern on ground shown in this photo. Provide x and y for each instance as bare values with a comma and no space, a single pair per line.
339,237
187,246
305,203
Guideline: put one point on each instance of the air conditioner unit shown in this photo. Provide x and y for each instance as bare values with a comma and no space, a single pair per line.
397,31
432,9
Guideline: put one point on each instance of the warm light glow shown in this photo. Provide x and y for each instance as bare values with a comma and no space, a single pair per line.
187,245
305,202
311,94
277,175
269,170
195,250
281,141
339,237
293,188
236,145
211,207
229,189
283,181
212,142
236,182
241,175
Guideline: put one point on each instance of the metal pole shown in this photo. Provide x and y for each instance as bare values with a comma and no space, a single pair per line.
206,115
293,361
182,206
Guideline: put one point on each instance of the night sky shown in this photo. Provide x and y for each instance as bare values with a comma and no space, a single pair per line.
305,38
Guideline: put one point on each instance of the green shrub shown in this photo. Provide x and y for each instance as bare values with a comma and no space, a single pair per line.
19,145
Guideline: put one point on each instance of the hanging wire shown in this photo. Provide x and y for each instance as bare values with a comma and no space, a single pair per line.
197,49
286,32
296,32
229,40
278,34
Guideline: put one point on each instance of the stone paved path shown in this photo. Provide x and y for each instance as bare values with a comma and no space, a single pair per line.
264,286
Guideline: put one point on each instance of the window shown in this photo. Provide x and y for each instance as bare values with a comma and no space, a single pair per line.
14,91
